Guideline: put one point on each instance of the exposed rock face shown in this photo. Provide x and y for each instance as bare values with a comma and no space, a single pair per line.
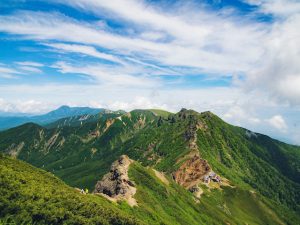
116,183
14,149
194,168
192,171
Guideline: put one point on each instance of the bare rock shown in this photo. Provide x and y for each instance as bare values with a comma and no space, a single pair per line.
191,172
116,183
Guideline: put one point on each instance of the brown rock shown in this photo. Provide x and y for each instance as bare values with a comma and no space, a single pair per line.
191,172
116,183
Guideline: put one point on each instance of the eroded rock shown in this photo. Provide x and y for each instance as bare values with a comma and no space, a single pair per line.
192,171
116,183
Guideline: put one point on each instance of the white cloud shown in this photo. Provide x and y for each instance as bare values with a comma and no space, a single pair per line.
138,102
180,40
5,106
28,106
86,50
278,122
231,104
189,46
153,36
268,54
278,73
280,8
238,116
30,69
204,99
28,63
109,75
139,12
8,70
8,73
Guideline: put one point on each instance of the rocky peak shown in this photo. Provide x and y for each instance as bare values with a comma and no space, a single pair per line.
116,183
186,113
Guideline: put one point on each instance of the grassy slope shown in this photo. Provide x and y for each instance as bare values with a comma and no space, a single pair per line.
240,159
249,163
30,195
161,113
171,204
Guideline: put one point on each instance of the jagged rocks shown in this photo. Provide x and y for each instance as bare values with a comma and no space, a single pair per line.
191,172
116,183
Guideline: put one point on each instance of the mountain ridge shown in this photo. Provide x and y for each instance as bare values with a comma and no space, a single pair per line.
33,196
64,111
81,154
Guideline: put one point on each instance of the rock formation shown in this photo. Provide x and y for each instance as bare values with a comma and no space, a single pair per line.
191,172
194,168
116,184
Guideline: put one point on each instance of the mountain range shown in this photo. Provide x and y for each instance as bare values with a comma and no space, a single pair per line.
9,120
146,167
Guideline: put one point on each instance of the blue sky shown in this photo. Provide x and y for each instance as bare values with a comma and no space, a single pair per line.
237,58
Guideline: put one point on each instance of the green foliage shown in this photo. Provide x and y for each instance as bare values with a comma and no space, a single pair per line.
161,113
32,196
159,203
81,154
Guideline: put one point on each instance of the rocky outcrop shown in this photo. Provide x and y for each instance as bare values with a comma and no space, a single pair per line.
193,168
191,172
14,149
116,184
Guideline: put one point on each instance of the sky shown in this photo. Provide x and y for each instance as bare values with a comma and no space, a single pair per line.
236,58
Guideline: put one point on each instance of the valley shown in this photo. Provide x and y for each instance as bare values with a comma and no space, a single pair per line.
189,162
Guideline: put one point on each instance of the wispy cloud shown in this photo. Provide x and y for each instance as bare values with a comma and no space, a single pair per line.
214,52
8,73
28,63
30,69
86,50
143,46
109,75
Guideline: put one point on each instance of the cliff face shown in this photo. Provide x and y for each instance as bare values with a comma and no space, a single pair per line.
191,172
116,184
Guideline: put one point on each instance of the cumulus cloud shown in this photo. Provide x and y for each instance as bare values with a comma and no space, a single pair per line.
29,106
278,73
238,116
278,122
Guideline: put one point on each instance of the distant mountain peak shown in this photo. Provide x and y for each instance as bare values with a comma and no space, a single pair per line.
63,107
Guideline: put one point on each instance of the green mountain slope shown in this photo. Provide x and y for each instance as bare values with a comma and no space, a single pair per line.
31,195
174,205
82,153
76,154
